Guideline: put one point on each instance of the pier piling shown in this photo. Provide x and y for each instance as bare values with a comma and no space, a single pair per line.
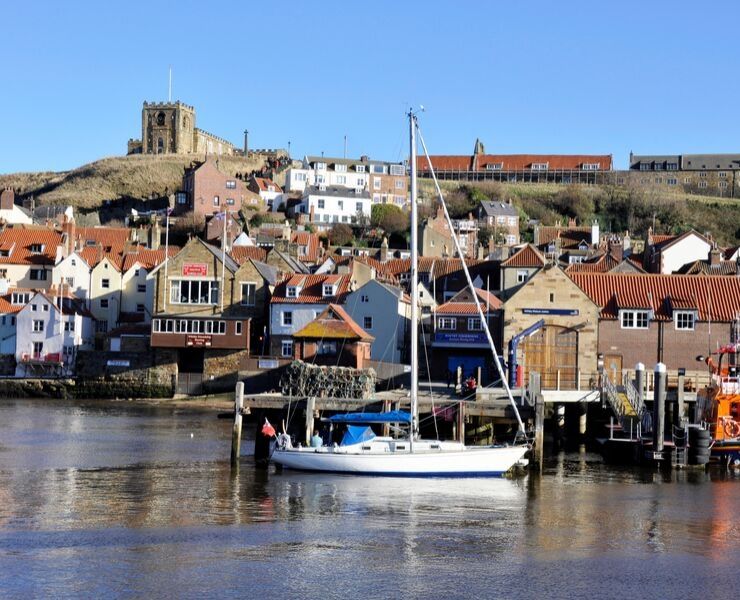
659,408
236,432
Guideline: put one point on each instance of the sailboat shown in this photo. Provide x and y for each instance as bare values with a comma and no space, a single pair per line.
362,452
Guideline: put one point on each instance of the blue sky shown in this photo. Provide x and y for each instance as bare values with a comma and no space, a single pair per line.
560,77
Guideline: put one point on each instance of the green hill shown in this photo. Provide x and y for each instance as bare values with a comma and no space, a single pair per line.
135,176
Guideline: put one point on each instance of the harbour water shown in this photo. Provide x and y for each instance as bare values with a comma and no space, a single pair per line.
125,501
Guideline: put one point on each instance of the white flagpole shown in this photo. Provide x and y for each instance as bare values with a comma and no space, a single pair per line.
223,261
166,258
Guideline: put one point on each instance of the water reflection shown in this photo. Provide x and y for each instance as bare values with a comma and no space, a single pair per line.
147,496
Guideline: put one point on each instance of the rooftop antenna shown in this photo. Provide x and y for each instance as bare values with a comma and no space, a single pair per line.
169,91
345,146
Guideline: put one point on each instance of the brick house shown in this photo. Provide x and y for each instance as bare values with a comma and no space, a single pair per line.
207,191
502,218
661,318
334,339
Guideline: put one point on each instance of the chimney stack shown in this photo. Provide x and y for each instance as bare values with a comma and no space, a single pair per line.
384,250
69,229
715,256
155,234
7,199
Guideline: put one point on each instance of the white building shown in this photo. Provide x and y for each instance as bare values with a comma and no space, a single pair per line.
10,212
28,255
73,273
329,205
384,311
50,329
351,173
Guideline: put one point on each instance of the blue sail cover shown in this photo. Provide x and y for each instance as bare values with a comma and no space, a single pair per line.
356,434
394,416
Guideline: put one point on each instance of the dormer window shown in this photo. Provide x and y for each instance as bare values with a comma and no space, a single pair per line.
360,168
494,166
320,166
4,252
36,248
634,319
684,320
591,166
540,166
340,168
20,297
293,291
328,290
397,170
89,242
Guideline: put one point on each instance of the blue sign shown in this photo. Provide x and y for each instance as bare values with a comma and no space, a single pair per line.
563,312
461,338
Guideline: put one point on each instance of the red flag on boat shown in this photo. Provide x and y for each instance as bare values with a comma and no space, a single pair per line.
268,429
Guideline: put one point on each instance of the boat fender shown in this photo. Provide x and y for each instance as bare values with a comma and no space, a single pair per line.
732,429
282,442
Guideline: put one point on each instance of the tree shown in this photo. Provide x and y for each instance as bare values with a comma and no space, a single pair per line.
257,220
340,235
390,218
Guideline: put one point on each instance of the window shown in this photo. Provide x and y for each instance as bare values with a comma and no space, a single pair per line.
342,179
292,292
644,166
722,184
249,291
684,320
340,168
671,181
326,348
360,168
36,248
185,291
287,318
105,284
104,303
501,220
635,319
141,288
702,184
4,317
182,198
38,349
378,169
38,326
37,275
69,325
397,170
140,308
101,326
539,166
447,323
474,324
494,166
321,203
238,328
521,276
328,290
364,298
45,307
286,349
34,307
658,180
231,184
358,207
687,179
340,203
671,166
216,201
20,297
722,174
400,184
512,221
70,281
702,174
376,183
320,166
591,166
367,323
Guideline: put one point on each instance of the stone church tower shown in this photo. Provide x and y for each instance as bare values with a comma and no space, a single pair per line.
167,128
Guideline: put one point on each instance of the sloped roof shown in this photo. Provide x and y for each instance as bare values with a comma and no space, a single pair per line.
147,258
461,304
310,241
312,289
264,184
528,256
715,297
19,239
334,323
268,272
243,253
514,162
702,267
570,237
661,242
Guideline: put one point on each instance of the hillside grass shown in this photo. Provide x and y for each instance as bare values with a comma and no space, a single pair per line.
136,176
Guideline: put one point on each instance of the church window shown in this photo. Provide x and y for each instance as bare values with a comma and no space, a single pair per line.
160,119
160,146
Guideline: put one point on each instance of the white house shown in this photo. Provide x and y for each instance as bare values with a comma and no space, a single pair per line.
299,300
74,274
50,329
330,205
10,304
10,212
28,255
384,311
667,254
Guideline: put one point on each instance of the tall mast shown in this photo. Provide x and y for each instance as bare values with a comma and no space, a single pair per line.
414,285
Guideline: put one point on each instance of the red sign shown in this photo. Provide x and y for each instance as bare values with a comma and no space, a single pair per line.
198,340
195,269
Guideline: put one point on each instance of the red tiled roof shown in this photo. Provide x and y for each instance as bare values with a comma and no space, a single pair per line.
603,264
19,239
570,237
334,323
515,162
241,254
457,306
312,288
528,256
92,255
109,237
310,241
715,297
147,258
445,266
264,184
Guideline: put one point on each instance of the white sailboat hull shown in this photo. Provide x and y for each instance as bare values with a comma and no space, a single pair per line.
388,457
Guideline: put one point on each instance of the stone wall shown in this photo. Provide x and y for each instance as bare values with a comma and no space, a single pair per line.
221,369
105,375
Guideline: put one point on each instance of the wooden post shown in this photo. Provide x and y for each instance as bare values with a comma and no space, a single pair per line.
479,380
539,421
386,426
659,407
461,422
310,406
236,432
678,414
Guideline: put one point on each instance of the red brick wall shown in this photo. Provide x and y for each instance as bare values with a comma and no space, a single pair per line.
207,183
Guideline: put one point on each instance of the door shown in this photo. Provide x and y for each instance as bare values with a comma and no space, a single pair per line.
553,353
613,367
